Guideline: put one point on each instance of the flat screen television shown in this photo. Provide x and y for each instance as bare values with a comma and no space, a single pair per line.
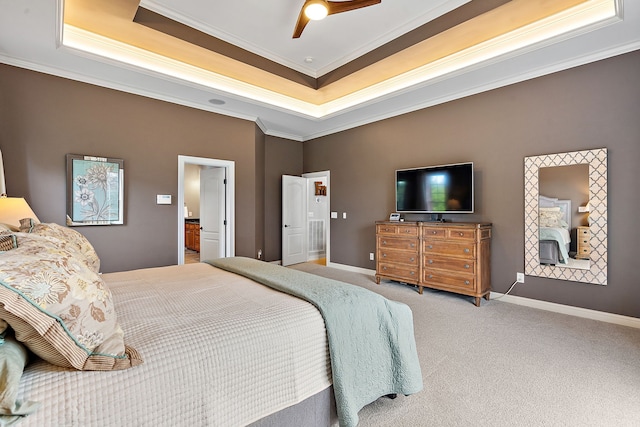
435,189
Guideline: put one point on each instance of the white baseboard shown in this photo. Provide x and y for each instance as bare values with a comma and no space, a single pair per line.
617,319
351,268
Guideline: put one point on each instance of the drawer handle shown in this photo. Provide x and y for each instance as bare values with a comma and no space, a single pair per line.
430,261
434,232
384,268
413,273
430,276
466,282
413,245
430,246
384,242
407,231
467,266
461,234
412,259
384,255
466,250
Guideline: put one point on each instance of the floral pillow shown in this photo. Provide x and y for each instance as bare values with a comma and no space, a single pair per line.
550,217
59,307
69,240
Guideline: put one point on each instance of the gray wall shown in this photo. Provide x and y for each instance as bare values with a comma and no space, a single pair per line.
593,106
44,117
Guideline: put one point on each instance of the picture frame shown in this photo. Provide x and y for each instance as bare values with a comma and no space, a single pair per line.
95,190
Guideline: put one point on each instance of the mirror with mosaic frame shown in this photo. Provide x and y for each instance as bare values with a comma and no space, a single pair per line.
596,270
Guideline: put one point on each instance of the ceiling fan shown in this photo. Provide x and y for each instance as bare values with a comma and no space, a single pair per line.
319,9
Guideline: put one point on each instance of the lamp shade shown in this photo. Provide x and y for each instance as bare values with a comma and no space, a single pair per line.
13,209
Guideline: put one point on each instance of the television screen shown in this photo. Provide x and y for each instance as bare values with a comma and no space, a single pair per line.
435,189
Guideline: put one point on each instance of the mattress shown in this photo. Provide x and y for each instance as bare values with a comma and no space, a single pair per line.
218,350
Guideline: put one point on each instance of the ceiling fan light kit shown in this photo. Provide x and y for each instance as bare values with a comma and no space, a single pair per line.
316,10
319,9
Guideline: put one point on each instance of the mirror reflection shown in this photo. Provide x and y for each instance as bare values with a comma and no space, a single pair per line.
563,216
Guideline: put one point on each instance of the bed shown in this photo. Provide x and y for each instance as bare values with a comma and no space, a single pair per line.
554,224
240,342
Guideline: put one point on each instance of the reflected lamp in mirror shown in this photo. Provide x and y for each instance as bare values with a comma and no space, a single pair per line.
585,209
13,209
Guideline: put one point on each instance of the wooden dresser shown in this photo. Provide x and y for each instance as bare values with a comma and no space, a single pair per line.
454,257
583,246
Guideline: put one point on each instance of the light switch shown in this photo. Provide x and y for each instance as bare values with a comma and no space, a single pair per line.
163,199
334,215
344,215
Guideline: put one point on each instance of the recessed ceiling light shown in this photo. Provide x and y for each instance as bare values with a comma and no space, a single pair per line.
216,101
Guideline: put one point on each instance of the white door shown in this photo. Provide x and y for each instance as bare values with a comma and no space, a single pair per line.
212,213
294,219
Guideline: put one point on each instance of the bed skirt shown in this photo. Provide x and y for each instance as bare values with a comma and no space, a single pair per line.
318,410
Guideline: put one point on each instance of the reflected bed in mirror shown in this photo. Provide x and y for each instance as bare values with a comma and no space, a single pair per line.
566,216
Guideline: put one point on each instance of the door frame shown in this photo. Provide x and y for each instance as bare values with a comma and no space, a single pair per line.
229,201
327,229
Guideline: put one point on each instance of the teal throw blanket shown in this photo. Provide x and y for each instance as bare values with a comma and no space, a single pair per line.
371,341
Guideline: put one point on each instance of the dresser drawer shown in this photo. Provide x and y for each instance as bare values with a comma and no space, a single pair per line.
461,234
401,257
584,232
434,233
583,241
451,264
437,278
444,248
401,272
409,244
397,230
583,250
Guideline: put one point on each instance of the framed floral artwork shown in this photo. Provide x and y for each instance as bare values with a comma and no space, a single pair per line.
95,190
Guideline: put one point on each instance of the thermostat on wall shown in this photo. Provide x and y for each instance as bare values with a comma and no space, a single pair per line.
163,199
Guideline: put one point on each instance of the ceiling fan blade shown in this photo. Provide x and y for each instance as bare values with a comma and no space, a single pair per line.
302,22
345,6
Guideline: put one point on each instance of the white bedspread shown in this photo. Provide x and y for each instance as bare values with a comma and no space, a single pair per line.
218,350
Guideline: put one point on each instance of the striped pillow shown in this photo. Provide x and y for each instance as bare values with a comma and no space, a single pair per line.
8,242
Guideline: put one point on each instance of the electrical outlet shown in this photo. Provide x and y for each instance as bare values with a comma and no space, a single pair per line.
370,256
520,277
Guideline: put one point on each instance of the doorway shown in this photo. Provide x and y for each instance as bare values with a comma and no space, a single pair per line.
221,211
305,218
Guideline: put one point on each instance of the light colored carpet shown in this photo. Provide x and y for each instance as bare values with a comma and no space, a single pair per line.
507,365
